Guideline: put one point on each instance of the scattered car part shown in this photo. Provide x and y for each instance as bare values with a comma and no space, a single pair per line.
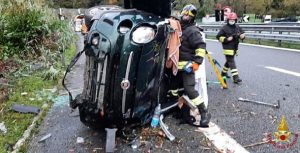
165,128
259,102
25,109
45,137
110,139
3,128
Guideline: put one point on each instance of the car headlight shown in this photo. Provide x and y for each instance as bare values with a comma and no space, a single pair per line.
95,41
143,34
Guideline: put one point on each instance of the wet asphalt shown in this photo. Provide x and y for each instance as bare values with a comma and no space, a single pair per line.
247,123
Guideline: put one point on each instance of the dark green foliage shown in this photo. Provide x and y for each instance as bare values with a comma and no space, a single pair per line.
27,29
76,3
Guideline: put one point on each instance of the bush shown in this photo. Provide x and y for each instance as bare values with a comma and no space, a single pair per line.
29,28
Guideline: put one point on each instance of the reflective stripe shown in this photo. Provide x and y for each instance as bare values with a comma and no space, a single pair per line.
174,92
225,69
181,64
197,101
234,72
187,13
228,52
221,39
200,52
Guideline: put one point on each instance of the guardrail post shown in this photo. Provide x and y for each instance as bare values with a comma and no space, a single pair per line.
259,38
279,41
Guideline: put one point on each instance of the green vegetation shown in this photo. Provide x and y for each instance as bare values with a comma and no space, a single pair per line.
75,3
29,88
28,29
276,8
32,43
17,123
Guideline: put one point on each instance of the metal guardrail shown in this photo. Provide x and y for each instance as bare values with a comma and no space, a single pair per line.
268,28
269,32
264,36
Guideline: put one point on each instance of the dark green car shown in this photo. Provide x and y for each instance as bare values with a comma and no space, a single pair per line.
125,76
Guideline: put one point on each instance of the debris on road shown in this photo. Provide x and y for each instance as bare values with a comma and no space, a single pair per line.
46,94
253,113
45,137
256,144
3,128
162,134
273,118
96,149
165,129
61,100
136,143
110,139
80,140
259,102
25,109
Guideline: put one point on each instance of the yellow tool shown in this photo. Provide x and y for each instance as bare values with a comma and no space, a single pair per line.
220,78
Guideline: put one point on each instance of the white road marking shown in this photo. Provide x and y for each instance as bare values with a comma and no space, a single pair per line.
283,71
221,140
264,46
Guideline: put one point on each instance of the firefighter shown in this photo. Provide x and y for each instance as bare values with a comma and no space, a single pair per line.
191,54
229,36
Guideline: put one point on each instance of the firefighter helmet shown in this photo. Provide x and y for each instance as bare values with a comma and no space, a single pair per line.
232,16
190,10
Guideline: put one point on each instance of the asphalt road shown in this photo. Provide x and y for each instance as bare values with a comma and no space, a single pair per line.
247,123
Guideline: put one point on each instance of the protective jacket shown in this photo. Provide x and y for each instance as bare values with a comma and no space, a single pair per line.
192,45
227,31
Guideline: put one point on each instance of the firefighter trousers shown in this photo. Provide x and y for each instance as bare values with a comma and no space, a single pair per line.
230,64
187,81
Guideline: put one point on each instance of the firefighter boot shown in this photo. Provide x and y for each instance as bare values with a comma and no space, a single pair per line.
236,79
205,115
225,75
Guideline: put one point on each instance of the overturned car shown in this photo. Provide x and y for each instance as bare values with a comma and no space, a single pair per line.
125,76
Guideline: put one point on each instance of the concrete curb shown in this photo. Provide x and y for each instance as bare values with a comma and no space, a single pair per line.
27,133
264,46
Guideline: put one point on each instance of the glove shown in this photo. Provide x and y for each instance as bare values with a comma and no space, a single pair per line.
195,66
242,36
229,38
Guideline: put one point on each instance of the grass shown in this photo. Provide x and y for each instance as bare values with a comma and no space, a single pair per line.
16,123
267,43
